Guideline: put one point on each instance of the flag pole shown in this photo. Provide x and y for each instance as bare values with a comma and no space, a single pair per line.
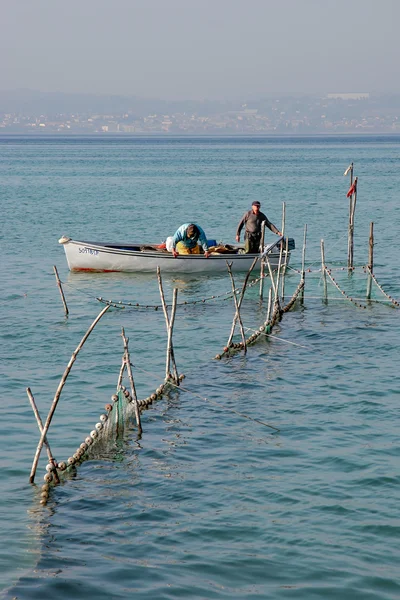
350,170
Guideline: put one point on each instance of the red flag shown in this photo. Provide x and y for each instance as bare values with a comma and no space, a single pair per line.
351,190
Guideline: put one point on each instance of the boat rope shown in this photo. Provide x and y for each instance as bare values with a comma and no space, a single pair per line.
392,300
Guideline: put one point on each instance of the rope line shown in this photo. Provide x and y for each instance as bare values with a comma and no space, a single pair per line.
392,300
327,271
275,337
266,327
217,404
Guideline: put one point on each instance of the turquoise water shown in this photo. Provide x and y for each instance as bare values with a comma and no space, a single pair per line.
207,503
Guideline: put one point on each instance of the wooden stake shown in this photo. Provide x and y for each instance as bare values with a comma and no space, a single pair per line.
237,314
284,270
40,425
271,275
353,201
133,389
269,304
262,260
121,373
278,275
169,341
370,259
253,264
58,393
61,290
172,354
350,169
323,269
303,262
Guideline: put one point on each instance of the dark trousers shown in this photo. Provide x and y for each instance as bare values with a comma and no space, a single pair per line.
252,243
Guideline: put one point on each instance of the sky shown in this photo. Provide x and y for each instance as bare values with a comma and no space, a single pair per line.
200,49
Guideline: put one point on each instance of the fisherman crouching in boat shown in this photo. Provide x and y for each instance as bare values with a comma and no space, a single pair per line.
252,220
187,239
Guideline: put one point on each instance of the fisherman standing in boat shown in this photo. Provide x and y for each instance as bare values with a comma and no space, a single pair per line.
252,221
187,239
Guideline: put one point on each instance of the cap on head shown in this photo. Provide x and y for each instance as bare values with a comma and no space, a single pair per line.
256,203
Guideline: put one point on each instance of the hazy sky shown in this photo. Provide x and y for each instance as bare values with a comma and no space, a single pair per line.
193,49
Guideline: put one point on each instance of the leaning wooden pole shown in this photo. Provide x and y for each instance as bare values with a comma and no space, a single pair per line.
121,374
237,314
133,389
323,270
303,263
279,275
58,393
61,291
271,276
170,349
269,305
284,269
50,456
262,266
40,424
167,321
253,264
370,260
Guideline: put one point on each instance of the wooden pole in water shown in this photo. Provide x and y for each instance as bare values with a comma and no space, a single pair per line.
58,393
269,304
352,220
271,275
133,389
40,425
370,260
278,275
350,261
349,170
284,270
281,271
169,341
253,264
262,266
303,262
61,290
323,267
167,322
121,373
237,314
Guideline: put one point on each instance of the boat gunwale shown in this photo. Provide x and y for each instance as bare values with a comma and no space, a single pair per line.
124,250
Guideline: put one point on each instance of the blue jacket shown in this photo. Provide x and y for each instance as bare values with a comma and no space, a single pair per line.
181,236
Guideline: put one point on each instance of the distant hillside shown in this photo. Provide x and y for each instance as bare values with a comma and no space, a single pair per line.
33,102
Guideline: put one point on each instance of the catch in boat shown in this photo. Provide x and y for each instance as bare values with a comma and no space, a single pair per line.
100,257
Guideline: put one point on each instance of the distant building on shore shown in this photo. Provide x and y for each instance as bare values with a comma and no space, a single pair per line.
349,96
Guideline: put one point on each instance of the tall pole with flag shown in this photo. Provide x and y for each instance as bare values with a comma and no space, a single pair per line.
352,195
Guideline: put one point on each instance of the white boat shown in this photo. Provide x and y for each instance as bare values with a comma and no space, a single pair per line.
132,258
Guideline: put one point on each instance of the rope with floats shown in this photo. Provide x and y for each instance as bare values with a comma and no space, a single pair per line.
392,300
327,271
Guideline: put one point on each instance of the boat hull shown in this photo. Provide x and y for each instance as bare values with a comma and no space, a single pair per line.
97,258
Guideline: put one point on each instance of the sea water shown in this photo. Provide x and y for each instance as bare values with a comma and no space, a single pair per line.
209,502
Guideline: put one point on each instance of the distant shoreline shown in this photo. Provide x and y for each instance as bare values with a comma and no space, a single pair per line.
119,135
